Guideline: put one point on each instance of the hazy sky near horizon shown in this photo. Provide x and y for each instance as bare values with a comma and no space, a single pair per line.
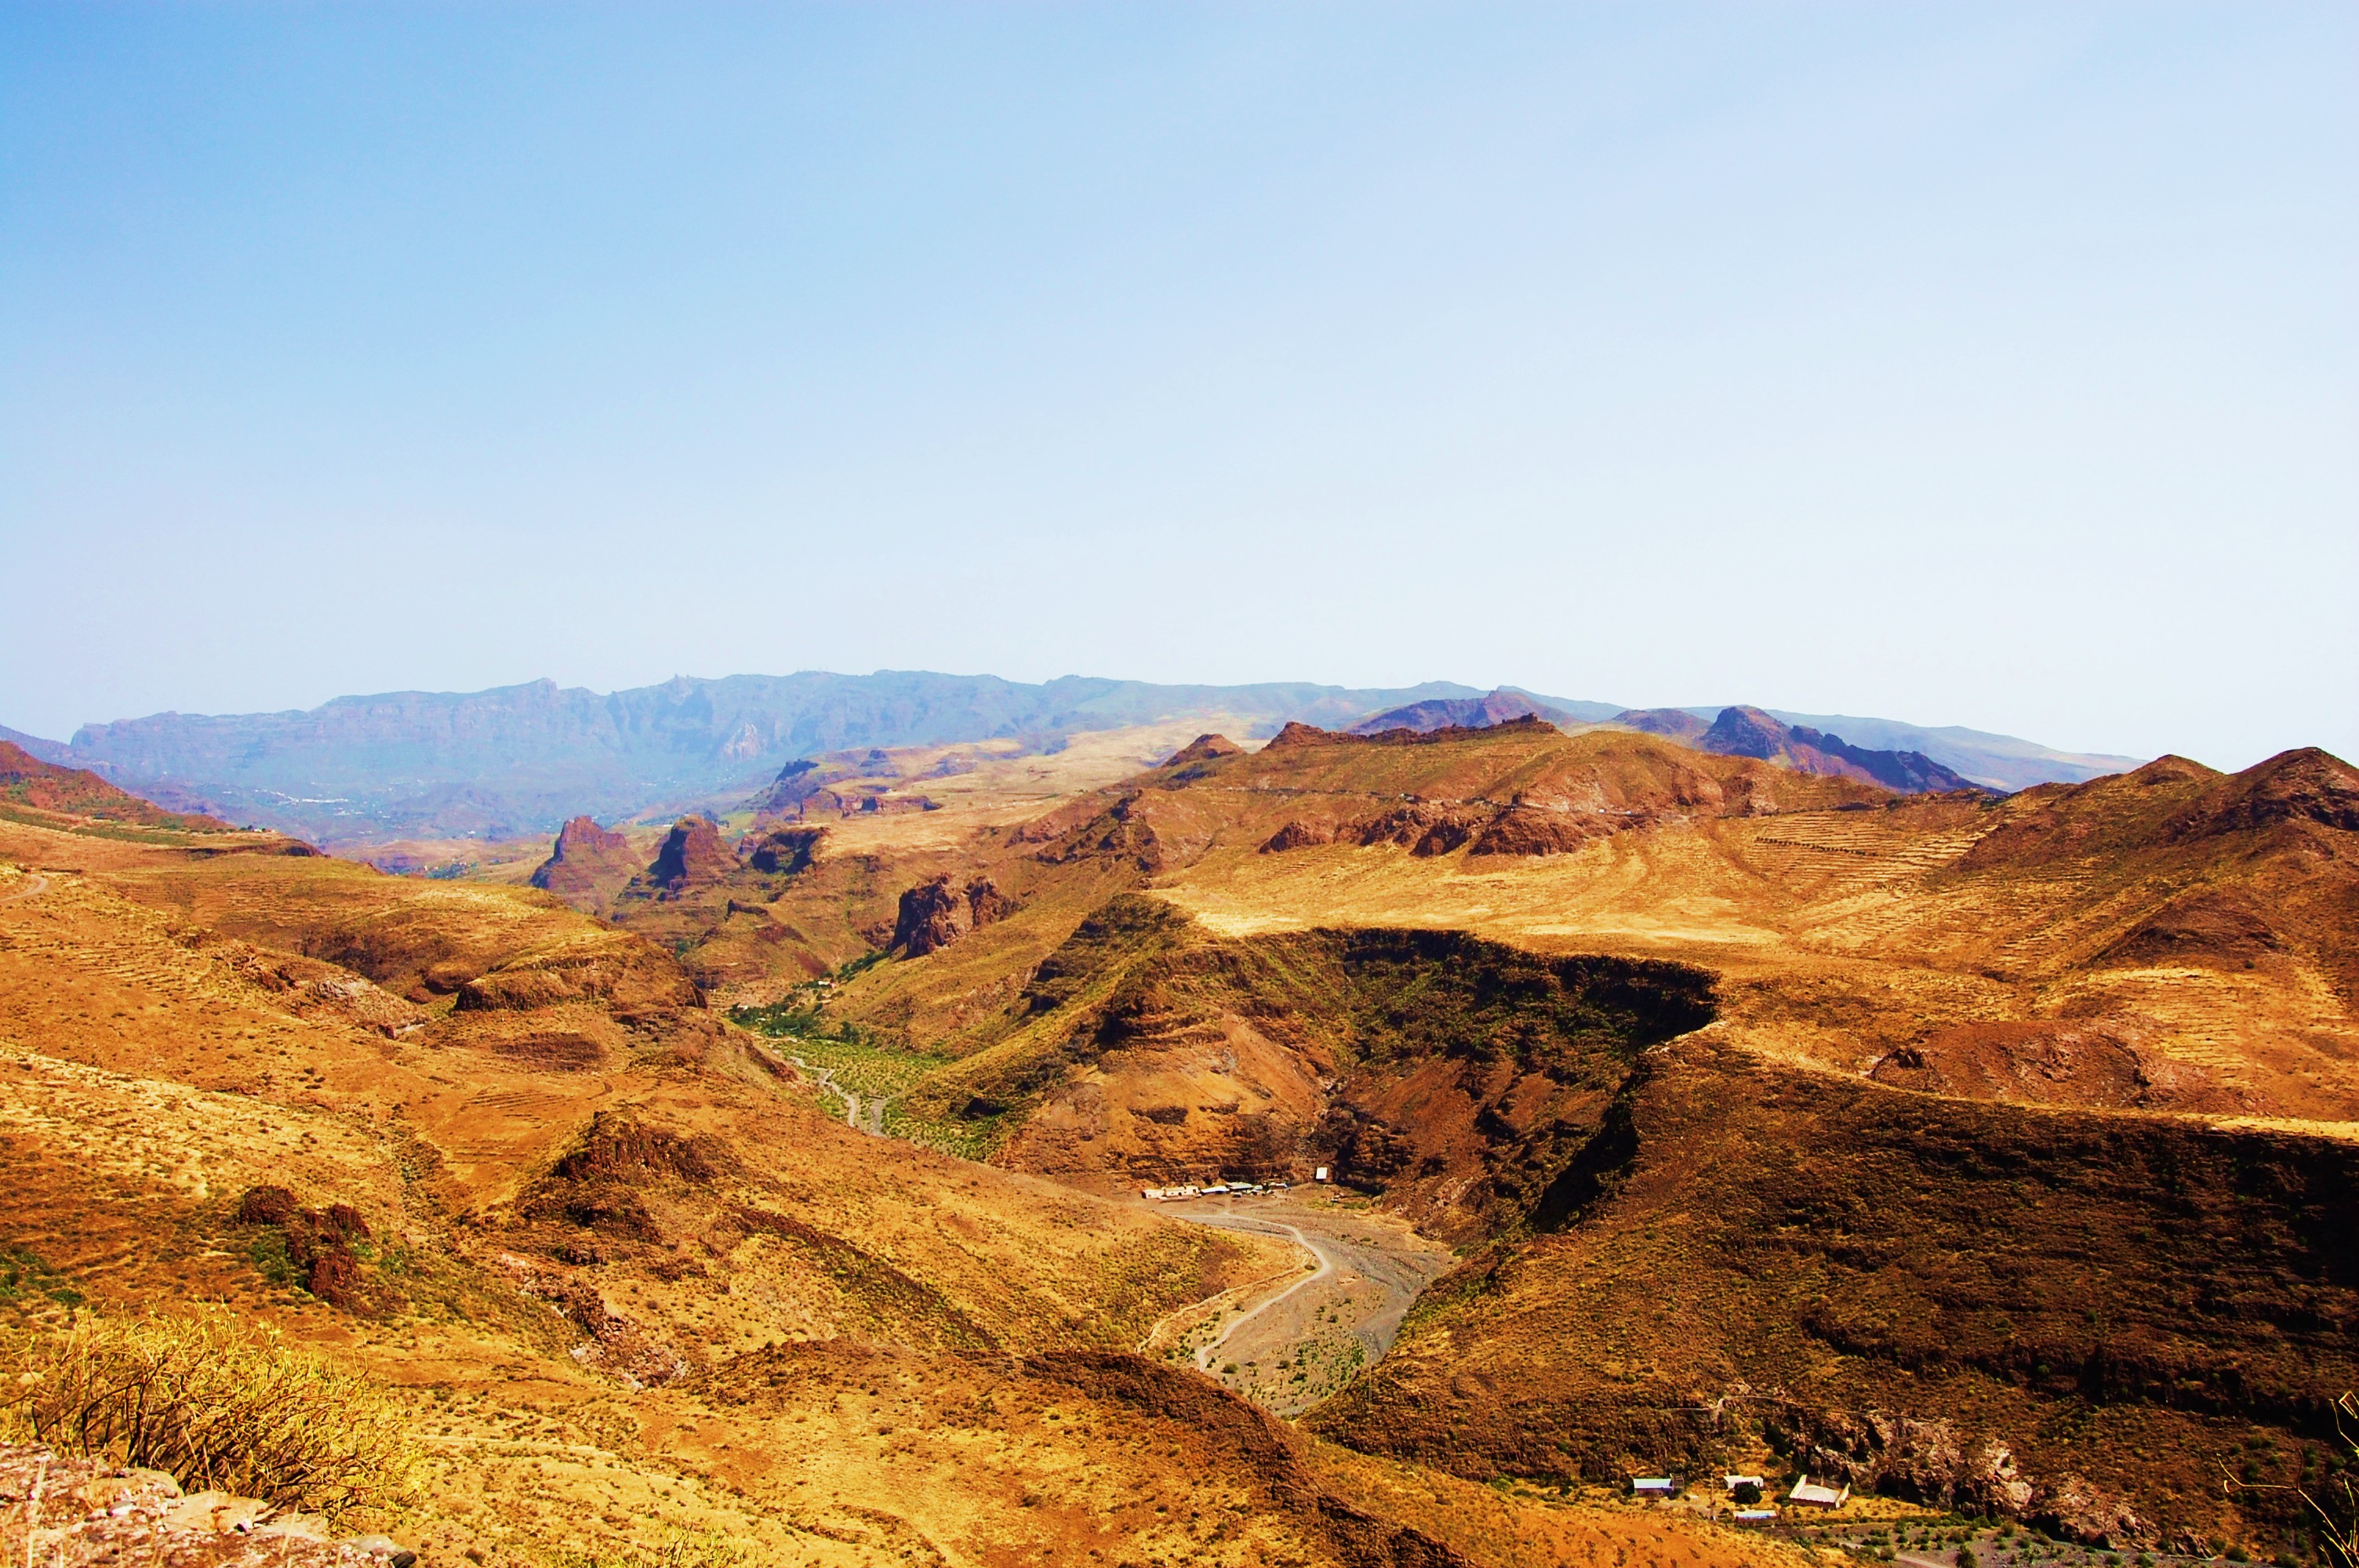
1979,363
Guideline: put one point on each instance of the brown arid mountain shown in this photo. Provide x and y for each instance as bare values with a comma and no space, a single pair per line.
1708,1067
1749,732
588,866
35,791
1742,731
1499,706
628,1292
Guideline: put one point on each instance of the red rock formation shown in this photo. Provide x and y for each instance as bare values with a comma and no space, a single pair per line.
987,904
694,856
1299,735
588,866
931,917
1298,835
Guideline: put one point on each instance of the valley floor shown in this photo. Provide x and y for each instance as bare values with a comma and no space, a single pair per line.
1297,1339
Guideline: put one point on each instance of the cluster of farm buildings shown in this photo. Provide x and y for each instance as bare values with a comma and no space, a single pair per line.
1748,1490
1215,1189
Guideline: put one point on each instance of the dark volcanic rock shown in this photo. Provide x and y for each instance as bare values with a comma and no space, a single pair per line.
694,856
588,866
784,851
932,915
986,903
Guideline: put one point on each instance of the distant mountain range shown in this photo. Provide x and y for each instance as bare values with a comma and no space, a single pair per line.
1733,732
521,760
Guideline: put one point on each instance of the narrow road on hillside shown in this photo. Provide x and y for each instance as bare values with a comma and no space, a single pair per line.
34,884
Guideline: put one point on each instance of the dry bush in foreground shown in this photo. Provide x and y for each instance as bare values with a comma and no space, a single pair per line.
216,1404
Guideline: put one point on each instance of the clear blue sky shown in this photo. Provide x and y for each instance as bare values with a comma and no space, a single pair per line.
1968,364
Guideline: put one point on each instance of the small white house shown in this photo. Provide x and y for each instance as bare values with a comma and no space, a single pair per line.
1756,1516
1653,1486
1733,1481
1809,1495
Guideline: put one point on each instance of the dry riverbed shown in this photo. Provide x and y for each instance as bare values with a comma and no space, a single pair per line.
1287,1341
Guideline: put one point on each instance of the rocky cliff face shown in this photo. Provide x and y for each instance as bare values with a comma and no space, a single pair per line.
588,866
933,914
694,856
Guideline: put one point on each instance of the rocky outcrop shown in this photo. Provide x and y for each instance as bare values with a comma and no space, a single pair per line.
70,1511
1928,1461
694,856
931,917
1119,833
1298,835
935,913
588,866
785,851
1531,830
1422,827
1426,828
1296,734
317,1247
987,904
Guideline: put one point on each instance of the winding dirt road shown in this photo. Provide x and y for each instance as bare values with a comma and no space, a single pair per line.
1206,1353
1315,1332
34,884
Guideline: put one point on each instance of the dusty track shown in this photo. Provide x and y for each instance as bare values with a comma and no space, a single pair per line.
35,884
825,1079
1293,1347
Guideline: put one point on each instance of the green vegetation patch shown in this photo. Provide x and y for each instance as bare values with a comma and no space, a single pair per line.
26,1282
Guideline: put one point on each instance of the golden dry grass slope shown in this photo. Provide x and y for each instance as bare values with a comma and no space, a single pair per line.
640,1298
